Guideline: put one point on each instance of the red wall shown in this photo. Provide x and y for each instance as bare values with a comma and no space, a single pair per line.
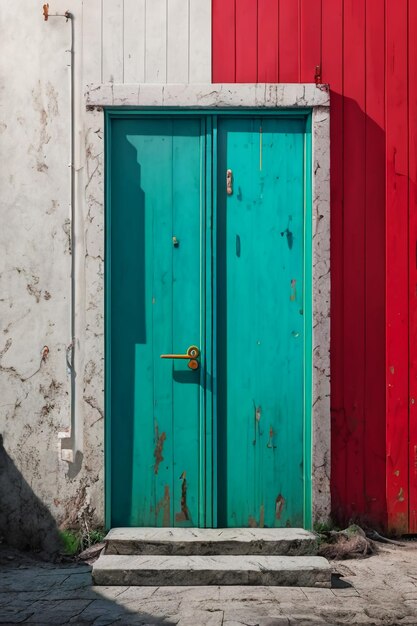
367,52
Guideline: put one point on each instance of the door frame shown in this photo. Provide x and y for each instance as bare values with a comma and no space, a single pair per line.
301,100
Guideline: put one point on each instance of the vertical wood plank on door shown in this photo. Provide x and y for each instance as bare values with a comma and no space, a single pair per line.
156,41
246,41
177,41
159,167
268,41
374,441
354,249
310,48
92,42
332,73
224,40
112,41
134,41
186,277
200,41
397,264
412,121
261,450
289,41
129,322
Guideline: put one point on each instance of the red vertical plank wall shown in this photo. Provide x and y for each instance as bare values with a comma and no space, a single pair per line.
412,182
366,52
268,28
246,21
224,41
289,41
375,406
354,151
397,262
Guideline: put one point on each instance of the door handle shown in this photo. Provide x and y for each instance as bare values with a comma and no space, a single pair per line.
192,355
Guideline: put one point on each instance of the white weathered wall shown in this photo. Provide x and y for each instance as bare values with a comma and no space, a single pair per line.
129,41
147,41
34,268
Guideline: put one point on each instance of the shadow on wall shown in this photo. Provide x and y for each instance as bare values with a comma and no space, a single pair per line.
358,320
25,522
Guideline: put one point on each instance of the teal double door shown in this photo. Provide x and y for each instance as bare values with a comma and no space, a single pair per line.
208,319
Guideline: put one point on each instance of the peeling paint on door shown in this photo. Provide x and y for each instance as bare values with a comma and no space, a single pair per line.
184,514
165,505
160,440
279,505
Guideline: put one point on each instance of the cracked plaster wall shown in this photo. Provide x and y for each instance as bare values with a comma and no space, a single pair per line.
35,268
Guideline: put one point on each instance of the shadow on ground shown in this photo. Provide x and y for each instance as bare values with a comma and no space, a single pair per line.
338,583
36,592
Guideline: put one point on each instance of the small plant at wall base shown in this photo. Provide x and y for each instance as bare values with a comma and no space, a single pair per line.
70,542
76,541
349,543
325,527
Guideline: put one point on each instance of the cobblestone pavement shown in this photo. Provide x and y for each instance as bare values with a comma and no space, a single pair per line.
378,590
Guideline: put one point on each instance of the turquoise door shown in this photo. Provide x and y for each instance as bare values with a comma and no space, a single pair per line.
206,236
260,322
154,235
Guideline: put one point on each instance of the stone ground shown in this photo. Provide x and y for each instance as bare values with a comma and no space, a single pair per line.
379,590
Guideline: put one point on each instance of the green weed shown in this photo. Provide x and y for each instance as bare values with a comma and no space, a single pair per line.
75,541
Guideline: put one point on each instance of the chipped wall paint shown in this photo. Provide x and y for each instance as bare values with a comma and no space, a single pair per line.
50,467
36,288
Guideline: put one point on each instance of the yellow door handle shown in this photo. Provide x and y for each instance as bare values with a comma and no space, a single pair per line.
192,355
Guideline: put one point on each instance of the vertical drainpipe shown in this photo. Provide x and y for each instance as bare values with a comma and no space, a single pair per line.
71,442
75,444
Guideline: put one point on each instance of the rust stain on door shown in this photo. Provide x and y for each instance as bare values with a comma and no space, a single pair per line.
270,443
252,523
257,416
184,514
279,505
293,295
159,445
164,504
262,516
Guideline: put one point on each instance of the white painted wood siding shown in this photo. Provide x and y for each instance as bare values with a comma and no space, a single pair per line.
147,41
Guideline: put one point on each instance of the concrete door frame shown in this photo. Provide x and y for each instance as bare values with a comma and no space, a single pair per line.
90,287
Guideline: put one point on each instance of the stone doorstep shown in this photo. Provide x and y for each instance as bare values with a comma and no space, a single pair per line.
157,570
210,541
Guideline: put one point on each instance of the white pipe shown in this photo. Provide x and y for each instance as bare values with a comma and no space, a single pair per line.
71,442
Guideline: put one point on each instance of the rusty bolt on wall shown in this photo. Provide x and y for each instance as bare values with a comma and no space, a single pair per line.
46,15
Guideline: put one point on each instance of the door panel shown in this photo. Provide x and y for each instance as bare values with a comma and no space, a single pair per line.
260,325
156,194
164,465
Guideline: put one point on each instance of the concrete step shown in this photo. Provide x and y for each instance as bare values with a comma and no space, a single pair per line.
209,541
148,570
